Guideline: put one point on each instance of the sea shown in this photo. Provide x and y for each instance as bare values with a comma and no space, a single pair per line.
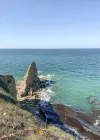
76,73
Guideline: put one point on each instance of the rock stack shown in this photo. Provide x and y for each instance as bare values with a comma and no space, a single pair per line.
30,83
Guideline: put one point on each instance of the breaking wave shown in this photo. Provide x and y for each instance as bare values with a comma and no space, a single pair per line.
46,94
48,76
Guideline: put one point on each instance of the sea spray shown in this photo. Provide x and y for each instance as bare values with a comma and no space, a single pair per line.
48,76
46,94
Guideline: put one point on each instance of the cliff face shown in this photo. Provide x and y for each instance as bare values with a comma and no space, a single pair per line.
16,122
30,83
7,83
27,86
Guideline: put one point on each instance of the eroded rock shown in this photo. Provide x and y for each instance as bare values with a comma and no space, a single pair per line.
7,83
30,83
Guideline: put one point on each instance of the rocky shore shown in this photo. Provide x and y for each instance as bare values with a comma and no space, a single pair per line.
20,117
26,95
82,122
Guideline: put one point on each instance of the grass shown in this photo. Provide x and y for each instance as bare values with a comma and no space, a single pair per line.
14,121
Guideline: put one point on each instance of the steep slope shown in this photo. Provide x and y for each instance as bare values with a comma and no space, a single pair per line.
21,125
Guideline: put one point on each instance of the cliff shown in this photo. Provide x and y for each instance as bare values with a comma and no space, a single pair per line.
7,83
17,121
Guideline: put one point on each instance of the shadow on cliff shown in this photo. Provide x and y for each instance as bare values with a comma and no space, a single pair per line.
45,112
8,98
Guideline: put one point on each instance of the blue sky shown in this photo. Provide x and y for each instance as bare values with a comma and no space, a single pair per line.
49,23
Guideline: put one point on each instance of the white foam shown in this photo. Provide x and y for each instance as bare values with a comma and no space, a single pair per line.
41,76
46,94
97,122
75,130
48,76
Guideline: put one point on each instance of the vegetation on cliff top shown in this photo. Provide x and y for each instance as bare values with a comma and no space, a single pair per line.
22,125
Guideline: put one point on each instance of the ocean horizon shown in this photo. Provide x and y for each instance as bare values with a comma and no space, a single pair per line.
50,69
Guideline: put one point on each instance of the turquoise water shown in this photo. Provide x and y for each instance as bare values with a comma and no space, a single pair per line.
76,71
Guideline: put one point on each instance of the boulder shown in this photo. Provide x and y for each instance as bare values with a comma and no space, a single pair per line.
30,83
7,83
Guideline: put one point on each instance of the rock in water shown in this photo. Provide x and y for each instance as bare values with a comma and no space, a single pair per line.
7,83
30,83
92,99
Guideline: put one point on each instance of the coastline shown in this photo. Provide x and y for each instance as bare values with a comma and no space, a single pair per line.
78,124
83,123
33,96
